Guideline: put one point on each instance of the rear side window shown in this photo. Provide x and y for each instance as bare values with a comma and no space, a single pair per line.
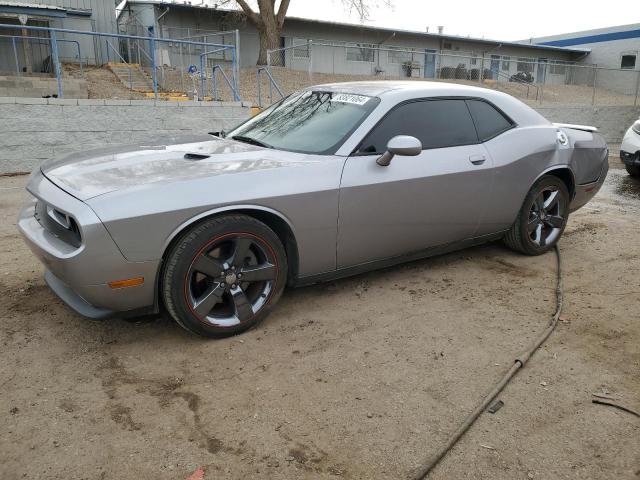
489,121
436,123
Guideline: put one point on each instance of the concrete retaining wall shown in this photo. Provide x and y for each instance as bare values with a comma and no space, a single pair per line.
36,129
33,130
40,86
612,122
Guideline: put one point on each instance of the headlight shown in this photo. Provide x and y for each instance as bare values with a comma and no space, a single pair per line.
636,127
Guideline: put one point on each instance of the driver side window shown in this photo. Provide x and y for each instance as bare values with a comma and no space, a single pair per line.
436,123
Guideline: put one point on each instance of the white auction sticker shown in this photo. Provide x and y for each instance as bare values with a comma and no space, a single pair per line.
350,98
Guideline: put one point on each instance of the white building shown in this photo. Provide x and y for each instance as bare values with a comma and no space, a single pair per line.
611,47
85,15
615,50
358,50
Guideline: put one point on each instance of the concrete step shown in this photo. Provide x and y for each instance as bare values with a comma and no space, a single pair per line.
131,76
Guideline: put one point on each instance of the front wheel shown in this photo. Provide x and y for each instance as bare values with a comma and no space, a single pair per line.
541,219
633,170
223,276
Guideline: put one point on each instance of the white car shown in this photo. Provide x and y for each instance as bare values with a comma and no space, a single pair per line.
630,149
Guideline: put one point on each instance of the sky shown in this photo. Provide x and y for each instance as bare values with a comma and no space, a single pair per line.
512,20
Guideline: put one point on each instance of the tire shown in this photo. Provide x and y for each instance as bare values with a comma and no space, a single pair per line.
224,275
541,219
633,170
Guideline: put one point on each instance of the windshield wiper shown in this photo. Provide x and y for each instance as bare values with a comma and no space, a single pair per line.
250,140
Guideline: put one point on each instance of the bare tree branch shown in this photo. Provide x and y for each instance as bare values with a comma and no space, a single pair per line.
269,22
363,8
255,18
282,12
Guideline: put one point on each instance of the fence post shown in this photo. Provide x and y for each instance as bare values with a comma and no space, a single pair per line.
56,61
595,82
213,82
15,56
154,74
203,76
234,71
259,80
236,52
310,49
80,59
635,102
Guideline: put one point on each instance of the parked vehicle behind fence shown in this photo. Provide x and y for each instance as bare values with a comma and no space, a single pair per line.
630,149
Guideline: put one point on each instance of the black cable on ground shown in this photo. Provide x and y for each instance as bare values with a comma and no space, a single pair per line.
520,361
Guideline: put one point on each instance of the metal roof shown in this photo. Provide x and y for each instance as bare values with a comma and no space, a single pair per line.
8,3
520,44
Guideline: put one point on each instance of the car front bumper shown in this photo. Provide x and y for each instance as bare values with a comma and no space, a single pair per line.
630,158
630,148
80,274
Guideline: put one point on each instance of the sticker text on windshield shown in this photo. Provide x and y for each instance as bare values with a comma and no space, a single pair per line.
350,98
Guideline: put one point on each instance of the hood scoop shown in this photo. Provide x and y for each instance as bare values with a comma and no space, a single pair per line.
195,156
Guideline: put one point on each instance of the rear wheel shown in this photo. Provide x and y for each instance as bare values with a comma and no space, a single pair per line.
633,170
223,276
542,218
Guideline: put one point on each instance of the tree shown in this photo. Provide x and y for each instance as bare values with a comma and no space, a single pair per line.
269,20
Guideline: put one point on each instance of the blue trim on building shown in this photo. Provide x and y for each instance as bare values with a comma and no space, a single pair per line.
602,37
44,12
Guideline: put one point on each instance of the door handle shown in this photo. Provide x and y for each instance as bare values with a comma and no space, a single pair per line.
477,159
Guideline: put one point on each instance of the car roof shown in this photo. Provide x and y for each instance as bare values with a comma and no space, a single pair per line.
418,88
395,91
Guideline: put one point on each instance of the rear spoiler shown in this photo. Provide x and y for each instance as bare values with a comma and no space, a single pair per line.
584,128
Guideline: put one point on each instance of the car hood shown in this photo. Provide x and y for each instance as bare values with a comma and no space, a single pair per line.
96,172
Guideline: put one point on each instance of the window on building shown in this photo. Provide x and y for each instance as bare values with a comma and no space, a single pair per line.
525,65
447,46
506,63
474,60
399,55
302,48
628,61
436,123
361,52
557,68
489,121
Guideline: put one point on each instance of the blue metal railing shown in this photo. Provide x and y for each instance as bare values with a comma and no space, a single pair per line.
214,70
233,84
272,84
39,40
151,39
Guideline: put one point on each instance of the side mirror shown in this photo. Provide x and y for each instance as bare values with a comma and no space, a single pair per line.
404,145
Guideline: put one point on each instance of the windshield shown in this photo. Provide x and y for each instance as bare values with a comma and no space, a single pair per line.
307,122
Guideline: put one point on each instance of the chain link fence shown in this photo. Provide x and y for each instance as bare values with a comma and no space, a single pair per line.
38,61
536,81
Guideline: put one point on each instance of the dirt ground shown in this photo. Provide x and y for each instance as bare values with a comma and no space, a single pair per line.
359,379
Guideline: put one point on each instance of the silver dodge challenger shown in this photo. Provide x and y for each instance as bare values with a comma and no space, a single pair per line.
331,181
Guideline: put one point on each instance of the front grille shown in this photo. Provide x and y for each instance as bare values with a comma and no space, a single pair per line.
58,223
